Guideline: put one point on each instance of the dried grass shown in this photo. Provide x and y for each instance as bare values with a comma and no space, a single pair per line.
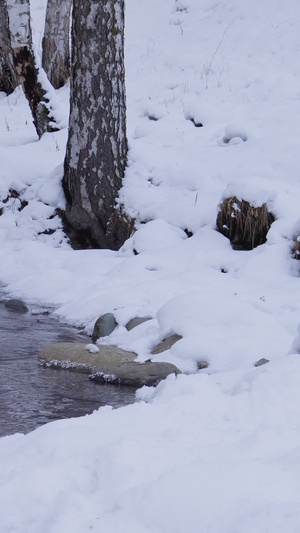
119,228
245,226
296,249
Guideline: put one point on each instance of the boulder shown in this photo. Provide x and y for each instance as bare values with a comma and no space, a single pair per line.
104,326
137,374
134,322
202,364
17,306
166,344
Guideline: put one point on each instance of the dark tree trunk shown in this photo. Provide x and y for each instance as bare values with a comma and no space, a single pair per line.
97,146
34,92
8,78
56,42
23,58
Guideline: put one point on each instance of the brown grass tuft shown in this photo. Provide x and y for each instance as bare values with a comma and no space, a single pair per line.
296,249
245,226
119,227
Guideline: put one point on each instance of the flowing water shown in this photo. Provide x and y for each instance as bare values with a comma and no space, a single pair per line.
31,395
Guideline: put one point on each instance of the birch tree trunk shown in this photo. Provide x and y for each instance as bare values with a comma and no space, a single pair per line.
97,146
27,74
56,42
8,78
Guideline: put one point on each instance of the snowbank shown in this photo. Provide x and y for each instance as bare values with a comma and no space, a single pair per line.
213,108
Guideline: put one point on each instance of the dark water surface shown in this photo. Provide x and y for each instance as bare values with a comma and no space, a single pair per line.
31,395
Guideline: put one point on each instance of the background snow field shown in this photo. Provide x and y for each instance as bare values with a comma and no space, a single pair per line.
213,95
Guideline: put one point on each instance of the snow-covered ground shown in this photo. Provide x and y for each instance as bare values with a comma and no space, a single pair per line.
215,451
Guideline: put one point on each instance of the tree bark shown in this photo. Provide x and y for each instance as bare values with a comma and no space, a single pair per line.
8,77
23,58
97,146
56,42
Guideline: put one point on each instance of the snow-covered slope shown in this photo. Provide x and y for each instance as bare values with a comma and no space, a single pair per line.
214,451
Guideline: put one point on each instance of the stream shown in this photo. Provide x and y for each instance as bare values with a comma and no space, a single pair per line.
31,395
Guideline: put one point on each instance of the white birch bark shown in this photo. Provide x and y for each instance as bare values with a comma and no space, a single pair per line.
8,78
56,42
27,74
97,145
19,23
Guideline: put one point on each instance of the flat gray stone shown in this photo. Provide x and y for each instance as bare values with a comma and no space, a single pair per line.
137,374
166,344
134,322
109,365
262,361
63,354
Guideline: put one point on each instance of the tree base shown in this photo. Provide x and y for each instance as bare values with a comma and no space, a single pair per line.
119,228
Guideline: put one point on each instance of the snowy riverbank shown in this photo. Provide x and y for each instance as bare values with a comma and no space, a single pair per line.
214,451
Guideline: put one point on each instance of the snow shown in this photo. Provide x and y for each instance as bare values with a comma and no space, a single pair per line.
92,348
213,111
